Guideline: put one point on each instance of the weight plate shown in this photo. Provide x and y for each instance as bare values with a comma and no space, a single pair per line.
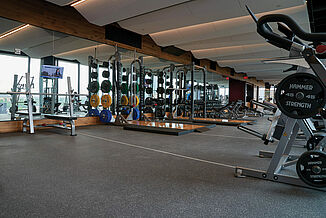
105,116
135,114
93,113
106,101
149,101
106,74
300,95
124,70
124,100
134,100
95,100
161,101
93,65
124,88
311,168
125,111
106,86
149,74
160,80
149,91
93,87
160,74
124,78
148,81
159,112
160,90
148,110
94,75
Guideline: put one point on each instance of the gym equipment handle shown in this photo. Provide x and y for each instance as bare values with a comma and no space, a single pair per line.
280,41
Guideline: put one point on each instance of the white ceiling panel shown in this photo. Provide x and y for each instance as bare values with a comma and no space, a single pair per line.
61,45
233,40
223,28
61,2
200,11
233,50
102,12
28,37
6,25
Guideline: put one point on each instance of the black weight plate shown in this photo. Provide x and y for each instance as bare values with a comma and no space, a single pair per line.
149,91
311,168
106,74
149,101
300,95
159,112
93,65
105,64
93,87
160,74
124,70
106,86
148,81
149,74
124,78
161,101
124,88
160,80
148,110
160,90
94,75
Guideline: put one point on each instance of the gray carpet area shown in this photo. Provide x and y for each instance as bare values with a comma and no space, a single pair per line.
106,171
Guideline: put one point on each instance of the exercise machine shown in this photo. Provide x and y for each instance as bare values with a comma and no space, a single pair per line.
299,97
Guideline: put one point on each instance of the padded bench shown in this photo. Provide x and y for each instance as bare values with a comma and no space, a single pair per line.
67,123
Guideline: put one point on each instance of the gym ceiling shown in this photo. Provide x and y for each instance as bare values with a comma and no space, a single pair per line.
216,30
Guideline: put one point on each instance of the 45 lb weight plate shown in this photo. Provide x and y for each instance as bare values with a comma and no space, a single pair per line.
106,86
311,168
300,95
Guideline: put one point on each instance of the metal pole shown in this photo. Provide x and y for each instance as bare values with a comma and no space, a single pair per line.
192,91
29,103
14,98
71,107
142,87
204,72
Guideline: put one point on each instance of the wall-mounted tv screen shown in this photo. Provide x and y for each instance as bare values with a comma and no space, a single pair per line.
48,71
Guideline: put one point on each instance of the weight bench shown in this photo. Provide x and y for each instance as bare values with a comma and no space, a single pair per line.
66,120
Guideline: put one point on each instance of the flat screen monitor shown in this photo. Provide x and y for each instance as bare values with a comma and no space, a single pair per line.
48,71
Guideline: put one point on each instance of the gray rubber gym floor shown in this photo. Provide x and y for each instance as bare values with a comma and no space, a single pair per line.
109,172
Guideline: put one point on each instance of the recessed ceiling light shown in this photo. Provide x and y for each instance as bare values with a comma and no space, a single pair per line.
77,3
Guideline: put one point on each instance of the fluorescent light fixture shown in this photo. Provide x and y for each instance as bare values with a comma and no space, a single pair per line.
14,31
77,3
